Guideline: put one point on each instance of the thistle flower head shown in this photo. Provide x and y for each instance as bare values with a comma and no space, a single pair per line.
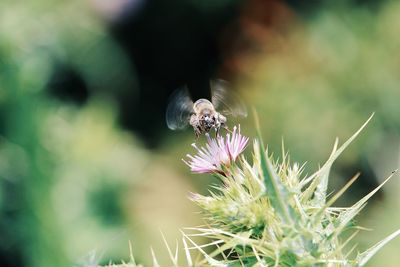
266,213
218,153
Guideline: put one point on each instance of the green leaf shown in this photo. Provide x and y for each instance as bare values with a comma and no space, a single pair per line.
319,215
275,189
319,179
345,217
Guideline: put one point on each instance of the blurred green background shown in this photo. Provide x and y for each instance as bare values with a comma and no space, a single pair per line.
86,161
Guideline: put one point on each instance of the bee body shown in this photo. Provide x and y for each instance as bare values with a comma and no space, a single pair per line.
205,118
202,115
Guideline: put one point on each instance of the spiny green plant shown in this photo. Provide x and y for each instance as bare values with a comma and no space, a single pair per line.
267,213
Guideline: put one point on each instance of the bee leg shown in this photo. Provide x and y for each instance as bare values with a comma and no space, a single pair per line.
227,129
197,132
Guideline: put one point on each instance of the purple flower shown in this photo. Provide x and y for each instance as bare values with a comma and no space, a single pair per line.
218,153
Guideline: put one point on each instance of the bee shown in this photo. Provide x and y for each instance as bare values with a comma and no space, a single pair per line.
204,115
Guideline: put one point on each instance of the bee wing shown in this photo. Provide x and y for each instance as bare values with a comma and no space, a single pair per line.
179,109
225,100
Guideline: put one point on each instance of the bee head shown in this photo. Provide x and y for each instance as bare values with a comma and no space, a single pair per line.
207,117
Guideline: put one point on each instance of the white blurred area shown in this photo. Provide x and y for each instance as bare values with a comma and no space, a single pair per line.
112,10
